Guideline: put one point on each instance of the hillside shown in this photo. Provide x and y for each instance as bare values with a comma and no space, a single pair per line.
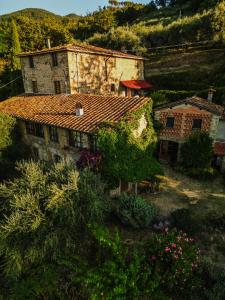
180,73
33,13
141,29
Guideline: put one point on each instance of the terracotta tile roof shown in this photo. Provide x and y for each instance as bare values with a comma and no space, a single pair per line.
59,110
219,148
198,102
189,110
83,48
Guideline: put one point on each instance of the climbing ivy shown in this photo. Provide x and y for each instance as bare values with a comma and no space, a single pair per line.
126,155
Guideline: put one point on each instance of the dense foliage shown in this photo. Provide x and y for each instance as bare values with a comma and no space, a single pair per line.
197,151
134,211
49,209
175,259
53,245
12,148
129,25
116,140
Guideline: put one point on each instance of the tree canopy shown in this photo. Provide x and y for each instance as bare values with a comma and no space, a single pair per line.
127,155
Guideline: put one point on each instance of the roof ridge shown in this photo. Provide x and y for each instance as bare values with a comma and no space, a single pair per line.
83,47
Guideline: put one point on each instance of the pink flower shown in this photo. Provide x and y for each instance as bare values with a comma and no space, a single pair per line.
153,257
174,246
167,249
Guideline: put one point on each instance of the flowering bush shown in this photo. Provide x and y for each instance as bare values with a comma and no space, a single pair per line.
174,257
89,159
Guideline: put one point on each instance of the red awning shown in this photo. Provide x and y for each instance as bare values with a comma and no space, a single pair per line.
219,149
136,84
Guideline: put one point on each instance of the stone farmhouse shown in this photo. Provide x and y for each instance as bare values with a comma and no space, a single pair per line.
80,68
59,127
179,119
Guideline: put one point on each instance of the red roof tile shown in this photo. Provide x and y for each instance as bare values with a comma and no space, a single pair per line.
59,110
189,110
83,48
219,148
195,101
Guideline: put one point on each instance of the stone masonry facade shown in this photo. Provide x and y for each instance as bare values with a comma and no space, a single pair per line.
80,73
47,150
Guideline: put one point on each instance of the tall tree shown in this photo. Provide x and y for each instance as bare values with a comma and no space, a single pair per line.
15,48
219,21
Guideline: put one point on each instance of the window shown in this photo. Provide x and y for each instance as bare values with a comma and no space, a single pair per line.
113,87
35,129
31,61
57,87
75,139
197,124
93,143
30,128
53,134
34,86
54,59
170,122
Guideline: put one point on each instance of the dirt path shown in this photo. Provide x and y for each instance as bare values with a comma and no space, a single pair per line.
180,191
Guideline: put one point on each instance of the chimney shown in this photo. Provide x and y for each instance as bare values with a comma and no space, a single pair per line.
210,94
79,109
48,41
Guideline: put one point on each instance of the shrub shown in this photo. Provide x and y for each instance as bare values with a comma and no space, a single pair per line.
134,211
197,151
50,208
89,160
213,286
203,174
215,218
158,98
183,219
11,147
174,257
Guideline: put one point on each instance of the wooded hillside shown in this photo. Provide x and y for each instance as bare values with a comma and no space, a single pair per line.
136,27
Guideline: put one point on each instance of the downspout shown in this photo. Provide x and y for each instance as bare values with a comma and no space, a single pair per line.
78,89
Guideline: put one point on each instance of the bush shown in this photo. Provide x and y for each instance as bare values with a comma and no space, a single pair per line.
213,287
197,151
183,219
215,218
134,211
50,207
163,266
174,258
203,174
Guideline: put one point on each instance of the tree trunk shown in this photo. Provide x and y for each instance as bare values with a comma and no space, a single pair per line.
136,188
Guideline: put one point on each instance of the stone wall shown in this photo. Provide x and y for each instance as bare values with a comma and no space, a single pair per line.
45,73
48,149
91,73
80,72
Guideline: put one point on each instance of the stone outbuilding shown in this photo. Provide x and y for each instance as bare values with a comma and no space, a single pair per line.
180,118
